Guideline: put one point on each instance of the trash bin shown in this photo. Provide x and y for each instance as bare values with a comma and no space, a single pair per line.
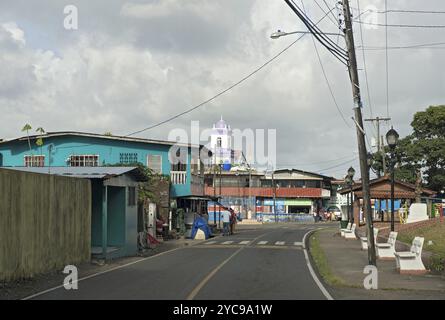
344,224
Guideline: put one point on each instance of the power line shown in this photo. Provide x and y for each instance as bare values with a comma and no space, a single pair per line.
341,164
321,8
414,46
329,8
327,80
404,11
402,25
225,90
315,163
387,58
330,45
364,65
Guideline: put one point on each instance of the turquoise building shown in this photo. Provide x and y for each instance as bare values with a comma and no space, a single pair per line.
114,218
79,149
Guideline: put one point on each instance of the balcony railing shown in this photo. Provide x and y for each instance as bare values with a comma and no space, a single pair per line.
178,177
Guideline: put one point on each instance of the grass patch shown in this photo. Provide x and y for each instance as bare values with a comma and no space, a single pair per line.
321,262
434,233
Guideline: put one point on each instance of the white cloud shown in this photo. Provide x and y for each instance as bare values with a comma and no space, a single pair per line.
132,65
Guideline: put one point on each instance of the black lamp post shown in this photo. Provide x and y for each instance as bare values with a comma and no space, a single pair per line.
392,138
350,181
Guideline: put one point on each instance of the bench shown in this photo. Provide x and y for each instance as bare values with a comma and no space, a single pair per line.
350,234
348,227
385,251
364,240
410,262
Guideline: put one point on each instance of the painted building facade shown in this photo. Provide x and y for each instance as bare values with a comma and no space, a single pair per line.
285,195
78,149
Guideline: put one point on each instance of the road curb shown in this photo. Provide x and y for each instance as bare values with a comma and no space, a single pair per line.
311,269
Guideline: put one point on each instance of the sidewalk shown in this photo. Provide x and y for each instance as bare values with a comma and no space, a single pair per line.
346,261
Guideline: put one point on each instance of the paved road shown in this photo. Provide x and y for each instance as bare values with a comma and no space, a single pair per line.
261,262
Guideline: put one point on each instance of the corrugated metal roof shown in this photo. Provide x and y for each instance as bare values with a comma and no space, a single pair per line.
78,172
101,136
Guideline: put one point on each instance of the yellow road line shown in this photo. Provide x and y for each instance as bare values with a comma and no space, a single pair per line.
198,288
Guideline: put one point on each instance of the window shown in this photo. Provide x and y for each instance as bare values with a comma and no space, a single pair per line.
128,158
154,162
131,196
84,160
1,160
219,142
313,184
178,167
34,161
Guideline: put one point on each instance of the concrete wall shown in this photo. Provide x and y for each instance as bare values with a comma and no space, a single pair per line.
45,223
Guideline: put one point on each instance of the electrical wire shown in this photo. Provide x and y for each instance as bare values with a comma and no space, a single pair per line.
365,68
225,90
341,164
387,58
327,80
402,25
338,52
323,10
314,29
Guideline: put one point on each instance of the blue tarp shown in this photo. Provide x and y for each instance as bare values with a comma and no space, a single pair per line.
201,223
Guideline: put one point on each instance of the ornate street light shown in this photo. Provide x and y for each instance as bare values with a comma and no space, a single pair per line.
349,182
392,137
351,172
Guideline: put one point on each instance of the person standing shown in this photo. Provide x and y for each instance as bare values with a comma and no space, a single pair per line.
232,221
225,216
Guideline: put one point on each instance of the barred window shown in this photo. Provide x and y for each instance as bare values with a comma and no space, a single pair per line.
127,158
35,161
84,160
154,162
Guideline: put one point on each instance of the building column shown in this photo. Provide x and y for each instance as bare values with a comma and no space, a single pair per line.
104,221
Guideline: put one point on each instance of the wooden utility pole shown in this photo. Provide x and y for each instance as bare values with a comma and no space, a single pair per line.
379,145
364,168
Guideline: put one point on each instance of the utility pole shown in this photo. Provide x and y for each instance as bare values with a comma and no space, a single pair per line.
379,145
214,189
364,168
274,196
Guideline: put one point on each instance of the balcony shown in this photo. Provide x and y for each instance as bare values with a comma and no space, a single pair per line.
178,177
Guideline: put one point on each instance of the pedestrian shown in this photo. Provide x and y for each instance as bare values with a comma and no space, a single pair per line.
225,215
315,214
232,221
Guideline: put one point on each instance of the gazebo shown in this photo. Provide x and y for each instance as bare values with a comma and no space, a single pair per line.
380,189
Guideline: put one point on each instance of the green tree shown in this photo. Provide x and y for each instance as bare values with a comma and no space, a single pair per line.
423,150
39,140
26,128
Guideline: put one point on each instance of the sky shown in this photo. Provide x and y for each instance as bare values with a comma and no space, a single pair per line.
132,64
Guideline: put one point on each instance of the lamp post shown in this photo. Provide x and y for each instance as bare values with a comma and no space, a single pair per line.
350,181
392,138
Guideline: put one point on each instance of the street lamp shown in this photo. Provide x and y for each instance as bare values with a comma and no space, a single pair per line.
280,33
392,137
349,179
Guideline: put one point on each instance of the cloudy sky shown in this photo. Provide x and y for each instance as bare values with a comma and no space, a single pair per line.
131,64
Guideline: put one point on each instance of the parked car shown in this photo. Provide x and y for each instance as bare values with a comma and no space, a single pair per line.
334,213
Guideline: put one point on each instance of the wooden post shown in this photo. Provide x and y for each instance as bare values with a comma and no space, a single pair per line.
104,221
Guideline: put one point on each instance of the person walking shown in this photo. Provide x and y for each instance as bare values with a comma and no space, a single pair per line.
225,216
232,221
